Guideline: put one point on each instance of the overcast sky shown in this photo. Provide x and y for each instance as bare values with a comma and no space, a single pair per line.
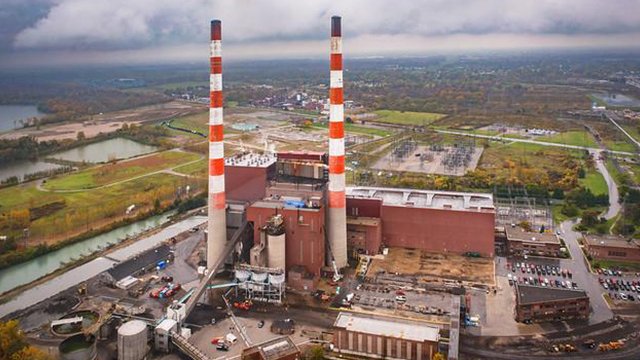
56,32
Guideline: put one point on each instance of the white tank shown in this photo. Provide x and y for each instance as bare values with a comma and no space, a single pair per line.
276,279
259,277
132,340
276,251
243,275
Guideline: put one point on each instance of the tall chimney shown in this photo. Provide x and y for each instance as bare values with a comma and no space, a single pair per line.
217,227
337,216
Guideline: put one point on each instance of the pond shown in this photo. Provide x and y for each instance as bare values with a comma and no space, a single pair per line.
103,151
22,168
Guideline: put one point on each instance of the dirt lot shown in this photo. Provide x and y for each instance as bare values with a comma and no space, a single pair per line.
430,266
109,122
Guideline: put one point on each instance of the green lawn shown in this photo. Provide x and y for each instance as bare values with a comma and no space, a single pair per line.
110,173
514,136
576,138
620,146
634,131
613,171
358,129
407,117
636,173
471,130
558,216
198,122
198,168
594,181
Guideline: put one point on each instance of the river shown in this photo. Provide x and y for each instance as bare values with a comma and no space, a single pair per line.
10,115
94,267
26,272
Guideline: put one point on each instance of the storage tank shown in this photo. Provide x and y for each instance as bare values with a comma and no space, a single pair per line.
276,253
78,347
243,275
276,279
132,340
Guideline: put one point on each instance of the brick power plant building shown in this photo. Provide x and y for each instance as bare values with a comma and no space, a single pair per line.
292,186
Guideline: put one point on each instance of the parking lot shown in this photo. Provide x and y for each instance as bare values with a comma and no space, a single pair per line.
545,275
620,286
374,297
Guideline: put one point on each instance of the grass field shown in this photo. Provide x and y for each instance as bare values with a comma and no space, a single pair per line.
577,138
514,136
634,131
199,123
594,181
358,129
181,85
198,168
110,173
85,210
407,117
620,146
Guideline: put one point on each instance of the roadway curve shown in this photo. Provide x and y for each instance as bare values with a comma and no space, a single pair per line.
614,195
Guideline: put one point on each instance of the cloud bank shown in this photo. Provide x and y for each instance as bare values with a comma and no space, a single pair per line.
131,26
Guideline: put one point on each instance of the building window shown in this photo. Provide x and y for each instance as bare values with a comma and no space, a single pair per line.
618,253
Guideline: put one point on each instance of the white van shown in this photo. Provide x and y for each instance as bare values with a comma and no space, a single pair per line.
231,339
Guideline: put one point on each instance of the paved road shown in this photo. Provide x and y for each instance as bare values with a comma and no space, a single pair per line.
614,196
498,138
582,275
181,271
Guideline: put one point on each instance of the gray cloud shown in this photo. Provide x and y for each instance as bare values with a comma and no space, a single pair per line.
93,26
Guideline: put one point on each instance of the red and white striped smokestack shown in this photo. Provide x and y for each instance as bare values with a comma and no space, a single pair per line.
217,227
337,216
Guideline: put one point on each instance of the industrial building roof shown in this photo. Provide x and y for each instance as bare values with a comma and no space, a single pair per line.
277,348
395,328
251,159
611,241
138,262
519,234
426,198
529,294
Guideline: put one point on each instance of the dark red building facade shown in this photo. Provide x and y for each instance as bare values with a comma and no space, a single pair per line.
305,232
456,230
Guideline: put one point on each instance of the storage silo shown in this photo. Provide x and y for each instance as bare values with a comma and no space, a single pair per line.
132,340
276,242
